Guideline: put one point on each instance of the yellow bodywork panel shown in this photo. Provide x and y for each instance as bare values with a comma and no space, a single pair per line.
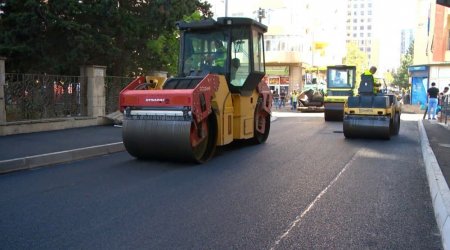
335,99
244,112
155,82
367,111
222,104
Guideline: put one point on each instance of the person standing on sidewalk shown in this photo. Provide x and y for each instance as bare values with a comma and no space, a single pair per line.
294,100
433,93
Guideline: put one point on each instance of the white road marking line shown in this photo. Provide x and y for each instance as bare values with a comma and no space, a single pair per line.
311,205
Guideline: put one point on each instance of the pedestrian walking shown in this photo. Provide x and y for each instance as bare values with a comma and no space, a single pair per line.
433,93
276,99
282,99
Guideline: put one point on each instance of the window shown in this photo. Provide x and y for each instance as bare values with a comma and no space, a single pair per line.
258,51
369,12
268,47
369,27
340,78
361,34
354,27
362,13
200,46
240,51
361,27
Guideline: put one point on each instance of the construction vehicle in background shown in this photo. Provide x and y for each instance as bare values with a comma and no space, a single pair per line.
341,83
217,97
310,100
371,115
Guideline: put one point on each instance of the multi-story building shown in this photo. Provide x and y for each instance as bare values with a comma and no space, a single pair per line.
406,39
360,19
431,49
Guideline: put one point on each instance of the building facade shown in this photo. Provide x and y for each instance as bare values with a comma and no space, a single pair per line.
301,35
431,49
359,25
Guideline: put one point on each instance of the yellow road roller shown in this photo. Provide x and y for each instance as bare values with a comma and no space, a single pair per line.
218,95
341,83
371,115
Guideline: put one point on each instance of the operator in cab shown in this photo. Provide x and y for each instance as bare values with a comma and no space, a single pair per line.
369,73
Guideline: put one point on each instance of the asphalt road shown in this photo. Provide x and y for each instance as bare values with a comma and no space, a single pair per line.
307,187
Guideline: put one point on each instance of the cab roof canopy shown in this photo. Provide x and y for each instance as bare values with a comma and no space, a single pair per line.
221,22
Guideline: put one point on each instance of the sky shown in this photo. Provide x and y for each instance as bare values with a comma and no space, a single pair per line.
393,16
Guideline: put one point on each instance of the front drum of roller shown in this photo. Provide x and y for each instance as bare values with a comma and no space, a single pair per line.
377,127
166,140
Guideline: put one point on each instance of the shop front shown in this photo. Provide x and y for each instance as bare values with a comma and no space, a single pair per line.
278,78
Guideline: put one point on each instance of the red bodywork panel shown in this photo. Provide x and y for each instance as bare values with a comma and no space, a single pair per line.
198,98
267,96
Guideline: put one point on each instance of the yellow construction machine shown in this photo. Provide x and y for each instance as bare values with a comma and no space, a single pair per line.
217,97
371,115
341,83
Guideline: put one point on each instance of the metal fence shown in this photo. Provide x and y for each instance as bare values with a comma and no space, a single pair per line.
37,96
113,86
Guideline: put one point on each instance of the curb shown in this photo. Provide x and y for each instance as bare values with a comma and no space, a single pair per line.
29,162
439,190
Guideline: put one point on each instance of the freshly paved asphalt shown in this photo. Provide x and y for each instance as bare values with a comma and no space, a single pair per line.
34,149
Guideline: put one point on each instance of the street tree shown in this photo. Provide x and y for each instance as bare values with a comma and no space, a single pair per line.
56,37
356,57
401,77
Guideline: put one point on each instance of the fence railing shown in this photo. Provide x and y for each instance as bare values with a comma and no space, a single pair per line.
113,86
37,96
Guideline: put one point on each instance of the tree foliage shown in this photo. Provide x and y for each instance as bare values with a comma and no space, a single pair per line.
355,57
401,77
57,36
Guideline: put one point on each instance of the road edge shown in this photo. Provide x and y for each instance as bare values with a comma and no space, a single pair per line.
439,190
30,162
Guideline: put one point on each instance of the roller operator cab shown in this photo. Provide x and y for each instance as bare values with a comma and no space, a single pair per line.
217,97
341,83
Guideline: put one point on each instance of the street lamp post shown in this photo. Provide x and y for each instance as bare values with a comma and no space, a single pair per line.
226,8
261,14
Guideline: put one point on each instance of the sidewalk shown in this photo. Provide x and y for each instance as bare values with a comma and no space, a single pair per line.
25,151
